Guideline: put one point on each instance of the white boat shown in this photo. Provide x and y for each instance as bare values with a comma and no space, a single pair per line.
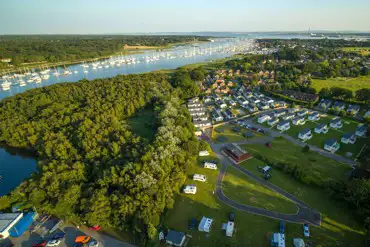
30,80
22,83
38,79
76,71
86,71
5,85
45,76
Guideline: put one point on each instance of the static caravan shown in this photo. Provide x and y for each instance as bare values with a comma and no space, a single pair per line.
199,177
210,165
203,153
190,189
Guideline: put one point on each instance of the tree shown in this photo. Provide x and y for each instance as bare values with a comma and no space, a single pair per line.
363,94
306,148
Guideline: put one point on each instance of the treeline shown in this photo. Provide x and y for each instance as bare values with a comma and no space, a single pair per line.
92,167
57,48
361,95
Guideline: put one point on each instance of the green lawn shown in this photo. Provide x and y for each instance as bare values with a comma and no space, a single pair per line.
352,84
232,136
252,230
337,223
360,50
143,123
318,166
240,188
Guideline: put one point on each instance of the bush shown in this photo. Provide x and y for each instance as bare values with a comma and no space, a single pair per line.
219,130
306,149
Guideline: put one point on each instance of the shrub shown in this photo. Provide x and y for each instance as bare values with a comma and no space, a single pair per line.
306,149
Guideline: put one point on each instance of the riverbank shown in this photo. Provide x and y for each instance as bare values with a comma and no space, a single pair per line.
125,51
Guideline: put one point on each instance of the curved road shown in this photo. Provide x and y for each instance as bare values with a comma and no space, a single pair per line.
305,214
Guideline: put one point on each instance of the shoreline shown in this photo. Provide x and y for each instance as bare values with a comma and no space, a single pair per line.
125,52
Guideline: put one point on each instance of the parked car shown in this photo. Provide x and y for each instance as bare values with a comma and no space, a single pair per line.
95,228
231,216
267,176
193,224
82,239
54,242
41,243
59,235
306,230
94,244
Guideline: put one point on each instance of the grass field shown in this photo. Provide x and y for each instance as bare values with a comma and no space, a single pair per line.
143,123
251,230
352,84
240,188
364,51
232,136
316,165
337,222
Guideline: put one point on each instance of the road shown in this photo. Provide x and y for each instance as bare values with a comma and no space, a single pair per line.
274,133
304,214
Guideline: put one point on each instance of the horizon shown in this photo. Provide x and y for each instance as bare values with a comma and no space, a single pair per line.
163,16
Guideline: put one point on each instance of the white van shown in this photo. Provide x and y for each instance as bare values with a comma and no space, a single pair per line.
210,165
190,189
199,177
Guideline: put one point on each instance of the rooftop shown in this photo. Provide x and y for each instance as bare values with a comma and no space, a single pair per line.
305,131
330,142
175,237
236,149
7,219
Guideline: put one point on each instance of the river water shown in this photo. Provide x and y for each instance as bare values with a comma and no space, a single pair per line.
14,168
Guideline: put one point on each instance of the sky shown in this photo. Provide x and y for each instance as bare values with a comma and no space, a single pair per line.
136,16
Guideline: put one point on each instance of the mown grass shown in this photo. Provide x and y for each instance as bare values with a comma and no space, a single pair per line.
318,166
143,123
231,135
352,84
364,51
240,188
338,228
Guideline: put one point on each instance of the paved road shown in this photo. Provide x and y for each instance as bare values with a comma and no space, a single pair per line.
274,133
305,214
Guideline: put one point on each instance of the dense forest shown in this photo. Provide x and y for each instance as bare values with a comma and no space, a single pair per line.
92,167
57,48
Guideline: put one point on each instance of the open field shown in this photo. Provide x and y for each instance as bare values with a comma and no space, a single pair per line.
240,188
317,166
336,221
251,230
143,123
352,84
364,51
230,134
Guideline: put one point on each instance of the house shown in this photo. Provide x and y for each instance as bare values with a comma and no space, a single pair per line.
273,121
263,118
190,189
361,130
293,110
205,224
175,238
284,125
7,222
232,103
353,109
289,116
194,102
217,117
349,138
254,100
207,99
314,116
299,121
269,100
336,123
322,128
221,104
236,153
302,113
339,106
262,106
278,240
305,134
230,114
279,113
331,145
242,100
325,104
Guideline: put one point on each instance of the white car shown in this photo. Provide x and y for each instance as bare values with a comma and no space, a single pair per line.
54,242
94,244
306,230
